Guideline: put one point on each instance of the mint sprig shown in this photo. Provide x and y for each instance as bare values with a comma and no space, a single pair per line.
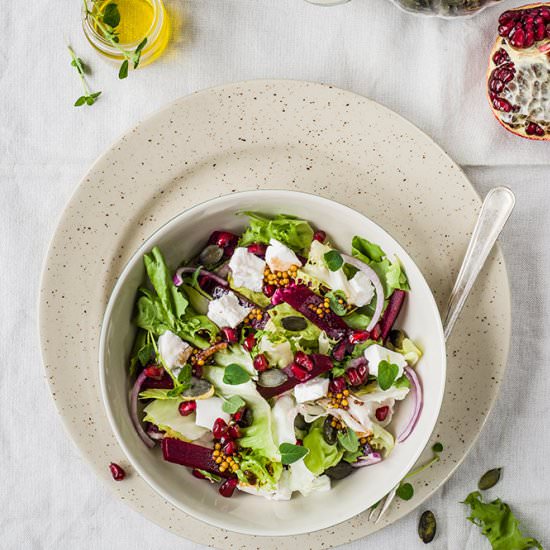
89,97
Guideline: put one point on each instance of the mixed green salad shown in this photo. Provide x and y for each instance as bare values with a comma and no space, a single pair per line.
270,361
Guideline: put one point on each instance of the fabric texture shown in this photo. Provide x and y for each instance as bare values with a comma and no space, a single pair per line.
430,71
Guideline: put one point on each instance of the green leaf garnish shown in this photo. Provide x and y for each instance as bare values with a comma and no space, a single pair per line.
348,440
337,300
123,71
88,98
184,376
498,524
235,375
333,260
402,382
233,404
111,15
387,373
405,491
213,478
437,447
291,453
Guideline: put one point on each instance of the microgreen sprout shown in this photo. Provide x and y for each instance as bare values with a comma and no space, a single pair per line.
89,97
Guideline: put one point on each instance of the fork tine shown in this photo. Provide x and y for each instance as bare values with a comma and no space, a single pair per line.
388,500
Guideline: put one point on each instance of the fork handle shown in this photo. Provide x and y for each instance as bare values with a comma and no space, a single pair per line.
495,211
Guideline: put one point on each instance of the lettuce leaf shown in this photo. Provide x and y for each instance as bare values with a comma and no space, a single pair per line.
498,524
165,415
321,455
390,273
168,308
293,232
259,298
382,440
305,340
259,436
238,355
266,471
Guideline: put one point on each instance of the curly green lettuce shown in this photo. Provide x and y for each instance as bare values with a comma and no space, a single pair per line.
498,524
321,455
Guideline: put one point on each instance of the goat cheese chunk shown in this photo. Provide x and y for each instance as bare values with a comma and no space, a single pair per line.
247,270
279,257
226,311
375,354
311,390
174,351
208,410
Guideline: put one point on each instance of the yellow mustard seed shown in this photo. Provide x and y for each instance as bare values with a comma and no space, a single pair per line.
345,402
217,446
219,460
216,453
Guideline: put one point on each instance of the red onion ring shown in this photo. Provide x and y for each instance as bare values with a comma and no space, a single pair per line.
375,280
134,394
369,460
416,389
178,278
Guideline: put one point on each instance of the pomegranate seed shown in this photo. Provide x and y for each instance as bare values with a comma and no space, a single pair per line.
545,13
501,56
187,407
529,37
359,336
518,38
507,16
223,239
260,362
357,375
198,474
496,85
229,335
504,74
540,31
505,28
299,372
319,236
502,105
249,342
299,442
257,248
303,360
237,417
154,372
227,488
340,350
337,385
117,472
381,413
230,448
534,130
269,290
219,429
234,432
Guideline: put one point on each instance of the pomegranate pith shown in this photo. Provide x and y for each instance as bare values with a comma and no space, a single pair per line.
518,82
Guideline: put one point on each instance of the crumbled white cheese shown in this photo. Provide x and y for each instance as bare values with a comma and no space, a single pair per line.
279,257
375,354
226,311
174,351
247,270
208,410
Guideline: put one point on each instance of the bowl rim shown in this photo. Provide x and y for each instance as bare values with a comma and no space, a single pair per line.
120,281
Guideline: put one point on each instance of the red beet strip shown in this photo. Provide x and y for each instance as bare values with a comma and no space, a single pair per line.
190,455
392,311
321,364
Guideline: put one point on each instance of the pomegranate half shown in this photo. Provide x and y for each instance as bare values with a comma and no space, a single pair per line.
518,83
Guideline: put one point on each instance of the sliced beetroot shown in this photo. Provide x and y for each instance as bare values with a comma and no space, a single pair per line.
392,311
190,455
165,383
300,297
321,364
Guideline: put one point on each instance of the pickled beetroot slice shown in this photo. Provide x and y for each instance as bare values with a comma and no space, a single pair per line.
190,455
300,297
321,364
392,311
165,383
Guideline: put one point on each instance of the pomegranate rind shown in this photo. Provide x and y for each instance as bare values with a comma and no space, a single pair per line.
501,43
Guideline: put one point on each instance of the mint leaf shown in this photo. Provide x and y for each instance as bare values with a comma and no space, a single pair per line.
291,453
349,440
402,382
184,376
235,375
333,260
233,404
387,373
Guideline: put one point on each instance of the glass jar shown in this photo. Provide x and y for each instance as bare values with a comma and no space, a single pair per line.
444,8
139,19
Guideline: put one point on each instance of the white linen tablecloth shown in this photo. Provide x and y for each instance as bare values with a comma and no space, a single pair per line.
430,71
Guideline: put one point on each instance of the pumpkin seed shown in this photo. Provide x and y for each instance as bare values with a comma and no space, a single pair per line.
340,471
272,378
198,389
211,255
427,527
294,323
489,479
330,433
396,338
300,423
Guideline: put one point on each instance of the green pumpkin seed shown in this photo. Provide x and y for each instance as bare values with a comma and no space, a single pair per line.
396,338
330,433
489,479
340,471
427,527
294,323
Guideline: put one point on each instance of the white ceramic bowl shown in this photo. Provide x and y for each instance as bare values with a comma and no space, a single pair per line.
180,238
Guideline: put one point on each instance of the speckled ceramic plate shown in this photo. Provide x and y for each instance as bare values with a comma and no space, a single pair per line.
254,135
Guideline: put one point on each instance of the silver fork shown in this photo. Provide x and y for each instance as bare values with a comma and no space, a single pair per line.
495,211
